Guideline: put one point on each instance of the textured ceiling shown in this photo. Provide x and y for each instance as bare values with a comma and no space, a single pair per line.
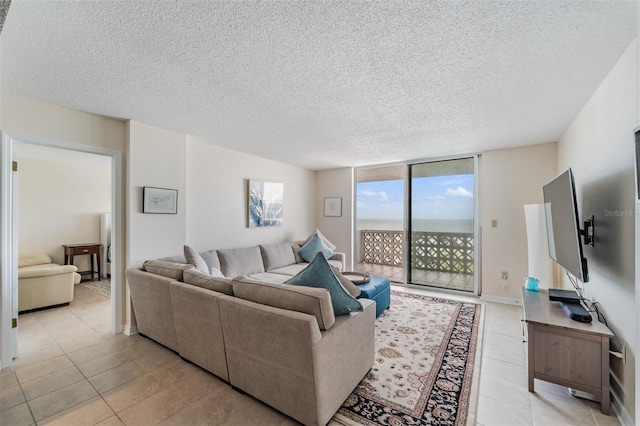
322,84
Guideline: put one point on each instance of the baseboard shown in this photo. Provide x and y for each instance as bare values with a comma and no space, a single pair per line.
130,330
620,411
505,300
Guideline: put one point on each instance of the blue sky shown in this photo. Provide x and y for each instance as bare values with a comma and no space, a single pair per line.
439,197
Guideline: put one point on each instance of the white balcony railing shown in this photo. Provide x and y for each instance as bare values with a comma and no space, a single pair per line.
434,251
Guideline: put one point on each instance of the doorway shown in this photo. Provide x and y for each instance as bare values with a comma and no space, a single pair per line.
9,248
441,218
416,223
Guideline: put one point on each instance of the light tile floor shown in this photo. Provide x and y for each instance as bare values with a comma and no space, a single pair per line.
72,371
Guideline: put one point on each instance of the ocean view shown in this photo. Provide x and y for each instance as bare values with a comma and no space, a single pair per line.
431,225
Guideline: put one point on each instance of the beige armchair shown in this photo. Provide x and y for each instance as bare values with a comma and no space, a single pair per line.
42,283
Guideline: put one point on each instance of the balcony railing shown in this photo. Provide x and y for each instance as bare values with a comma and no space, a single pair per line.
434,251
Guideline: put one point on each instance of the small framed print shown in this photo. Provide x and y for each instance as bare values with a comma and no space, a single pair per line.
159,200
333,207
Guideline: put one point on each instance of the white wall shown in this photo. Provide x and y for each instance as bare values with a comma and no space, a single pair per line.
28,117
509,179
338,230
61,203
217,209
599,147
156,158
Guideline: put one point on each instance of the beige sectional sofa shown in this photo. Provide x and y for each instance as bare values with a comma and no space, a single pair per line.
279,343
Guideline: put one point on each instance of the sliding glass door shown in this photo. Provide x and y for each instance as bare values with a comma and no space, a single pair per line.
441,224
380,213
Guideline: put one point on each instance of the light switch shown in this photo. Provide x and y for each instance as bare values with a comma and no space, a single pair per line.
494,223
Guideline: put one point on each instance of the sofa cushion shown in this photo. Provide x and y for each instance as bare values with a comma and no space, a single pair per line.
290,270
33,259
319,275
204,280
194,258
353,289
240,261
277,255
270,277
313,246
312,301
166,268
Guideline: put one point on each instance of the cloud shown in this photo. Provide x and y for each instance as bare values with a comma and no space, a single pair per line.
460,192
382,195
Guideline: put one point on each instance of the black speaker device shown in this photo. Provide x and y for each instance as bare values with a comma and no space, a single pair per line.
576,311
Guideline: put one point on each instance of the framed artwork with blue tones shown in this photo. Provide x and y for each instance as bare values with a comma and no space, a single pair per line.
266,203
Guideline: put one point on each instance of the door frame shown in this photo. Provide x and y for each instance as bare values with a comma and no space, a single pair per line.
8,226
476,223
477,264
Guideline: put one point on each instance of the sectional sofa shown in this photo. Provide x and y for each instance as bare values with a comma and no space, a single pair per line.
281,344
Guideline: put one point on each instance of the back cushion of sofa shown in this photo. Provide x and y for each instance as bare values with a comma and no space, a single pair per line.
33,259
175,259
200,279
240,261
277,255
166,268
308,300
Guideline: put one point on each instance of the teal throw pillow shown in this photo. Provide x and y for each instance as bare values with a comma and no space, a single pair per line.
313,246
319,275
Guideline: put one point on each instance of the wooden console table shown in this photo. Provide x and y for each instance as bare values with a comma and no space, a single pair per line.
563,351
91,249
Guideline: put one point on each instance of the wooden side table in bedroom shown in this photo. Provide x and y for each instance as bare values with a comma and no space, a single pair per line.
91,249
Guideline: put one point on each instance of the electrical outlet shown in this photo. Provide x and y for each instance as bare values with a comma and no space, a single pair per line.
505,275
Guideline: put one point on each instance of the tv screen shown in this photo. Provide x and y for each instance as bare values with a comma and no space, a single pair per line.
563,225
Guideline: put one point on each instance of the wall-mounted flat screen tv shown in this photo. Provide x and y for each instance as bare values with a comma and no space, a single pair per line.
563,225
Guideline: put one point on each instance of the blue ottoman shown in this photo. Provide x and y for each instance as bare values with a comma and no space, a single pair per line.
379,290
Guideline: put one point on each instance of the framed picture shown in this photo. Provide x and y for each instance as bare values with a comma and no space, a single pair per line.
333,207
266,203
159,200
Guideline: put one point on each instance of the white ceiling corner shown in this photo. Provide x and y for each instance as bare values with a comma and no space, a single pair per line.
323,84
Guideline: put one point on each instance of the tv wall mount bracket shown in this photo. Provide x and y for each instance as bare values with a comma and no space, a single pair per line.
588,233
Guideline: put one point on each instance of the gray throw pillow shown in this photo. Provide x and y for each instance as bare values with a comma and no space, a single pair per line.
194,258
353,289
319,275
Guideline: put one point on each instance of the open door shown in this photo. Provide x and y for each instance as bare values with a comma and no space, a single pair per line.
9,256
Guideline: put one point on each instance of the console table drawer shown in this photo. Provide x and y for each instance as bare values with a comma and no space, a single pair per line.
77,251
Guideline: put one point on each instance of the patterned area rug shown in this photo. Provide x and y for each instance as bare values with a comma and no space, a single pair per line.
424,372
103,286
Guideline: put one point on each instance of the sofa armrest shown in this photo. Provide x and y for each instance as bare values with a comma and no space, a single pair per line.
341,257
275,354
45,270
342,358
